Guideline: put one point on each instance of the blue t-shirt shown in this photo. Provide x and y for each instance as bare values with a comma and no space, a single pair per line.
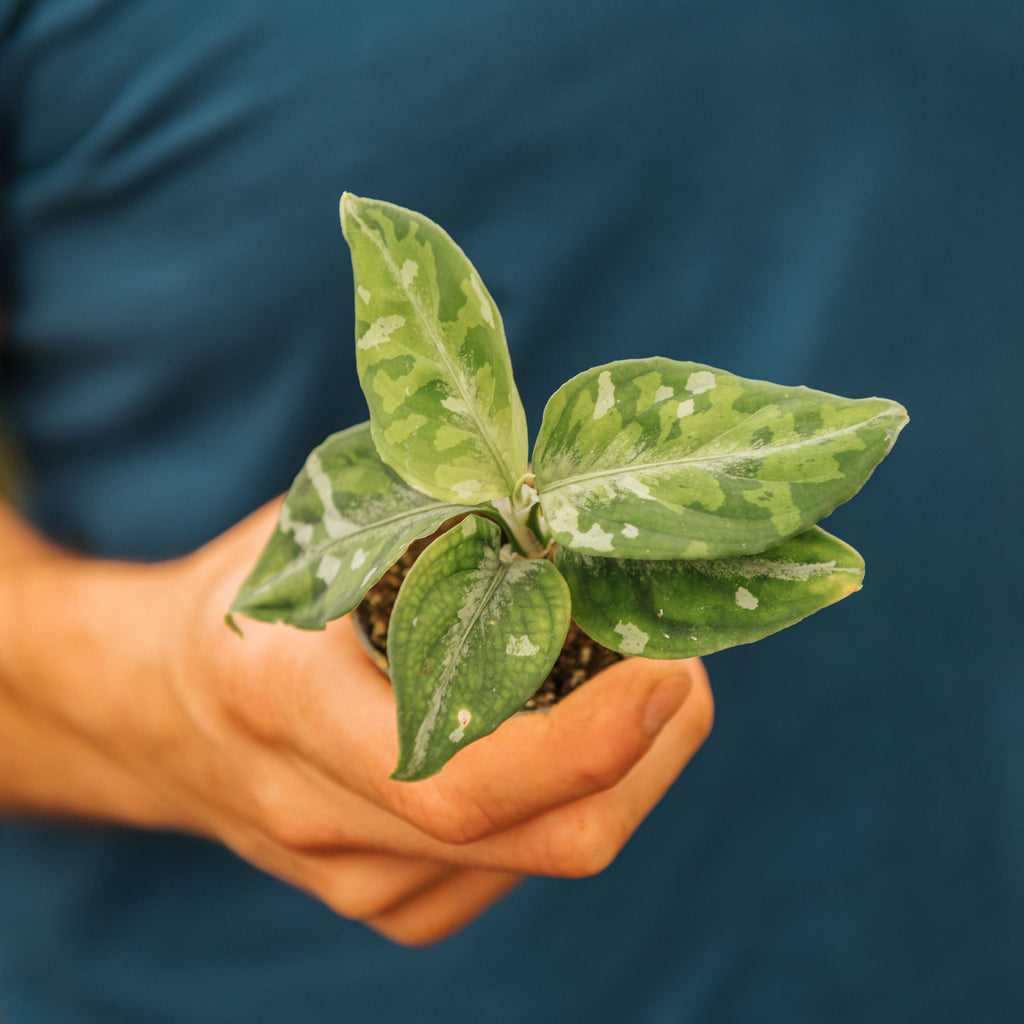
809,191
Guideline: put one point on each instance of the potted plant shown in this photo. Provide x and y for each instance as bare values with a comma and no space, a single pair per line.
669,508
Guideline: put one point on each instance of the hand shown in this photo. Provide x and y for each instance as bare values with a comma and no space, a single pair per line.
299,739
280,746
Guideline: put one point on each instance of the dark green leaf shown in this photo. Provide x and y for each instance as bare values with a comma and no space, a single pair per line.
473,635
684,608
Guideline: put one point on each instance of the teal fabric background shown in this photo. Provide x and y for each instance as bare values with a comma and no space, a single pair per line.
819,193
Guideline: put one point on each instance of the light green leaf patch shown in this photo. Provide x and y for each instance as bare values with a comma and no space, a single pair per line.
432,358
343,524
471,639
685,608
655,458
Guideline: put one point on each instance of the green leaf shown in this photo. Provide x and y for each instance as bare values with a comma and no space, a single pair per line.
689,607
472,637
432,358
343,524
654,458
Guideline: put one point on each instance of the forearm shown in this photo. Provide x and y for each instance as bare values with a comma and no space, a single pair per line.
65,690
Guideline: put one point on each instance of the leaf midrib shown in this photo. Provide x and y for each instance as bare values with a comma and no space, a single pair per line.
712,464
449,672
320,548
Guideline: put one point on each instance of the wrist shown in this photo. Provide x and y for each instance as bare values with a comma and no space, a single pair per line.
81,683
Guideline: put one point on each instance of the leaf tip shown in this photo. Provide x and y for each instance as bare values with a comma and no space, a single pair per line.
347,203
405,772
229,621
348,210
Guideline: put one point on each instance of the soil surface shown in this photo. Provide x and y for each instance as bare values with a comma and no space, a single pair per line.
580,659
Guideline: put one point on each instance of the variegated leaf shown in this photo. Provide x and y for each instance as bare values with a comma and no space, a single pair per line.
343,524
432,358
689,607
472,637
654,458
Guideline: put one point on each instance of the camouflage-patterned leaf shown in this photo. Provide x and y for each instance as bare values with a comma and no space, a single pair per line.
653,458
343,524
471,639
432,358
689,607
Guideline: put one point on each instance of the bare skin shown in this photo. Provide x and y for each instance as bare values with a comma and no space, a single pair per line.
125,699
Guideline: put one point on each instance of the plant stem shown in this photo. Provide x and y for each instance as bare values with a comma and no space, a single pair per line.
513,518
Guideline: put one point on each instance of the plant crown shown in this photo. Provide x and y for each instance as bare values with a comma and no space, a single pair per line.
669,507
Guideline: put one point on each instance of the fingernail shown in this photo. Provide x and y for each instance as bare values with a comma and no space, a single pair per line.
668,697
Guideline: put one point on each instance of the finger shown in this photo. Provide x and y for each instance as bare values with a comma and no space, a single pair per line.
364,886
582,839
575,839
536,762
408,899
443,909
356,885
